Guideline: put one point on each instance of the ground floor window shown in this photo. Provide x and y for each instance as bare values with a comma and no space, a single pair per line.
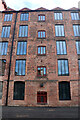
1,86
19,88
64,91
41,97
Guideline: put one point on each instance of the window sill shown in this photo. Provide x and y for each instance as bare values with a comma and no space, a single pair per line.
41,21
63,75
41,38
41,76
42,103
41,54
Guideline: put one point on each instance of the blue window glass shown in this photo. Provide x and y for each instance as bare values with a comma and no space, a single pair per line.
79,65
8,17
41,34
41,71
41,50
58,16
63,68
21,48
41,17
75,16
59,30
3,48
76,29
20,67
24,16
61,47
5,32
23,31
78,47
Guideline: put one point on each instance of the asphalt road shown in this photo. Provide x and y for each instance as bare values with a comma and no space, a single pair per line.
39,112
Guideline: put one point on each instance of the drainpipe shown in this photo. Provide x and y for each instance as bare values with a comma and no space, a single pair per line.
10,60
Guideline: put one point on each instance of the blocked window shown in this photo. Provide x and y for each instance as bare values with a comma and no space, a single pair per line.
8,17
61,47
58,16
59,30
5,32
20,67
78,47
23,31
41,71
79,65
24,16
41,17
1,87
41,34
19,90
75,16
21,48
41,97
2,67
63,69
64,91
76,29
3,48
41,50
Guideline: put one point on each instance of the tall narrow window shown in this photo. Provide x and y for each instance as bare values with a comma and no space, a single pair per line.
59,30
41,17
61,47
42,97
8,17
76,29
75,16
41,34
19,90
64,91
79,65
21,48
63,69
23,31
58,16
20,67
78,47
5,32
41,50
24,16
41,71
3,48
2,67
1,87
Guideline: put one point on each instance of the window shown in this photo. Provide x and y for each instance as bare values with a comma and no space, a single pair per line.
41,34
23,31
61,47
58,16
78,47
24,16
64,91
41,50
20,67
41,17
63,68
2,67
41,71
8,17
42,97
79,65
3,48
75,16
76,29
59,30
5,32
21,48
19,88
1,87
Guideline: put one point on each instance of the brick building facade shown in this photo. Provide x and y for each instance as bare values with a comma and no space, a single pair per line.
40,57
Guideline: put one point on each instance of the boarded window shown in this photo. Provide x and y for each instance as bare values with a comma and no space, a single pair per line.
63,69
41,50
76,29
1,87
23,31
41,34
64,91
59,30
41,17
2,67
58,16
61,47
3,48
19,90
42,97
41,71
5,32
21,48
75,16
8,17
24,16
78,47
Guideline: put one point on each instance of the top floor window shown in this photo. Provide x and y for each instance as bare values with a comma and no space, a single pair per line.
8,17
41,17
58,16
41,34
75,16
59,30
24,17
